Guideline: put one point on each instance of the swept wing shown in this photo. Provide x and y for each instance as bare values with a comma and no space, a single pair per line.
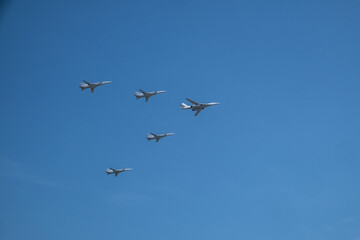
197,112
87,83
193,102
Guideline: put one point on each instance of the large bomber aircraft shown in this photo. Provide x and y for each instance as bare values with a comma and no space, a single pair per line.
197,106
116,171
146,95
152,136
87,85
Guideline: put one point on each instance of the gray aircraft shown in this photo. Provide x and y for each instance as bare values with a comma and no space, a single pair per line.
146,95
157,137
197,106
87,85
116,171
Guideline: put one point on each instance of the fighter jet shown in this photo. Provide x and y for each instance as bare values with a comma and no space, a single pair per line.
152,136
117,171
146,95
197,106
87,85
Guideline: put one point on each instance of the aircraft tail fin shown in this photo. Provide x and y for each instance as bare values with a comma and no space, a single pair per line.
184,106
82,88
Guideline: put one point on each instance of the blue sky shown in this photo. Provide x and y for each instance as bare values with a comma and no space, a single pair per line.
278,159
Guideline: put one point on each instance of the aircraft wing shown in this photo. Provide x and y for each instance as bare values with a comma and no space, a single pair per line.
92,90
193,102
147,98
87,82
113,169
197,112
142,91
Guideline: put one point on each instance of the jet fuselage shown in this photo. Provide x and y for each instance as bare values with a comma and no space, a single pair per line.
157,137
92,86
197,106
117,171
147,94
202,106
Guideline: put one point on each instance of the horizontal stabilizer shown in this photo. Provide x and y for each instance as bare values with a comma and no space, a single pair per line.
184,106
150,137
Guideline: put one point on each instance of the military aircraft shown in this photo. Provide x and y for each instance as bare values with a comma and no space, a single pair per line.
146,95
117,171
197,106
87,85
152,136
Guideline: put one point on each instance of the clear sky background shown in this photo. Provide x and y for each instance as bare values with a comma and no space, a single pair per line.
279,159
